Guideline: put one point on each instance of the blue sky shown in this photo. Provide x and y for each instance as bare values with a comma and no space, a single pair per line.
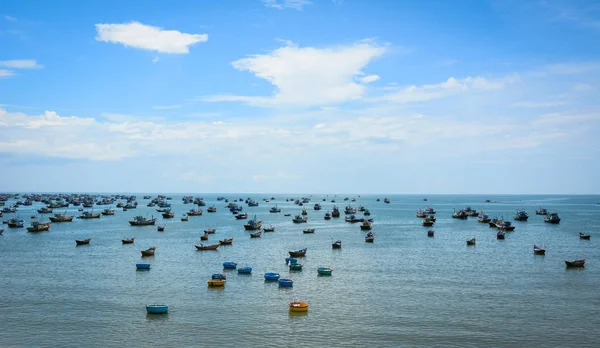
300,96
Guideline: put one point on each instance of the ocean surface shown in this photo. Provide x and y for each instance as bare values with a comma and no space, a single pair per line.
404,290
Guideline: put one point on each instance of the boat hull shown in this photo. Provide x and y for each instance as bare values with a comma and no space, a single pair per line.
157,309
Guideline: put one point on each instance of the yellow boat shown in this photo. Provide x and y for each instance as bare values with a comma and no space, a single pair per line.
216,282
298,306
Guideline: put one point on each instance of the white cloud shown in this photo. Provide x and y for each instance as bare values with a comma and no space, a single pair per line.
306,76
283,4
5,73
570,68
166,107
450,87
10,19
369,79
156,59
138,35
20,64
582,87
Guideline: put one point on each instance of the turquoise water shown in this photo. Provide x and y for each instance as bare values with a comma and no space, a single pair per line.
404,290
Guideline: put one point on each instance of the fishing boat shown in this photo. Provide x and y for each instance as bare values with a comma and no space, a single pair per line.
430,233
108,211
317,206
353,219
521,215
271,276
500,235
309,230
210,230
216,283
89,215
212,209
552,218
194,212
327,216
326,271
275,209
204,237
142,221
242,216
229,265
253,224
157,309
420,213
386,200
184,218
541,211
149,251
304,212
269,229
366,225
207,247
45,210
142,266
428,222
15,222
245,270
584,236
298,306
461,214
226,241
337,244
575,263
335,212
367,212
505,226
300,219
429,210
285,283
83,241
128,241
483,218
370,237
493,222
471,241
538,250
298,253
38,227
256,234
168,214
287,214
61,217
160,228
1,231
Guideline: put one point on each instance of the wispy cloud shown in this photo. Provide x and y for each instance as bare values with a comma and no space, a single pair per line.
20,64
156,59
540,104
166,107
5,73
306,76
283,4
138,35
10,18
369,78
583,13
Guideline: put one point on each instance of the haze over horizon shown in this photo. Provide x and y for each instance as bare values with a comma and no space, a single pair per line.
284,96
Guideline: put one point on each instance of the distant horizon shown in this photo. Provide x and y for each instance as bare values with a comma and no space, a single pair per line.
296,194
301,95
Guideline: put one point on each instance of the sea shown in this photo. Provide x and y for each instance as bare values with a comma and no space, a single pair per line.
404,290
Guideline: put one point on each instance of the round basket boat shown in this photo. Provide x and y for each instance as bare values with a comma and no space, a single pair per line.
298,306
157,308
216,282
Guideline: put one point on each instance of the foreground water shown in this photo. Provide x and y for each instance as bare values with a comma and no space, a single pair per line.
404,290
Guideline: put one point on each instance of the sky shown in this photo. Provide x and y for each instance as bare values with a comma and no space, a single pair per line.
299,96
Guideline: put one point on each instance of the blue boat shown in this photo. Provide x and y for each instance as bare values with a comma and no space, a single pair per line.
271,276
229,265
219,276
157,308
142,265
286,283
289,260
245,270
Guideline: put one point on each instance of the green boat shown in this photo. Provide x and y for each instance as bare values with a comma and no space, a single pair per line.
324,271
295,266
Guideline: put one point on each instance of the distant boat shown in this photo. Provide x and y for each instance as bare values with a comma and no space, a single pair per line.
575,263
83,241
584,236
269,229
61,217
298,306
226,241
194,212
212,209
142,221
327,216
481,217
241,216
207,247
298,253
500,235
38,227
108,211
128,241
229,265
552,218
184,218
324,271
538,250
317,206
335,212
160,228
300,219
295,266
275,209
204,237
428,222
430,233
157,309
142,265
505,226
541,211
44,210
286,283
245,270
337,244
471,241
89,215
521,215
149,251
271,276
168,214
210,230
309,230
366,225
15,223
256,234
370,237
461,214
253,224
